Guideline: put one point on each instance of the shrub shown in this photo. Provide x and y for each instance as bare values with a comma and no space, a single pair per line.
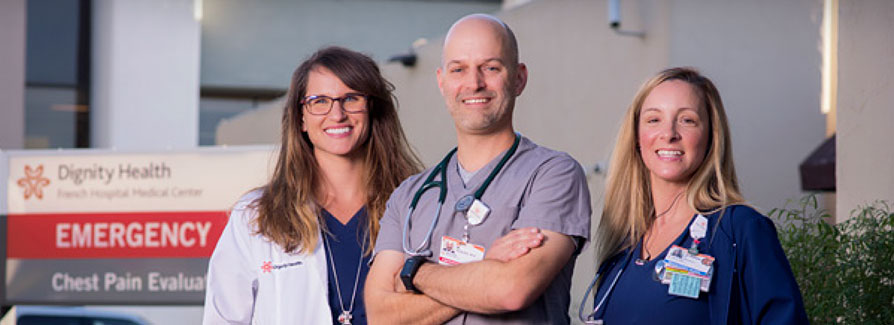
845,271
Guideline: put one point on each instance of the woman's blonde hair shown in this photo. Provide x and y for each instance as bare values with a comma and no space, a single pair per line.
629,210
288,209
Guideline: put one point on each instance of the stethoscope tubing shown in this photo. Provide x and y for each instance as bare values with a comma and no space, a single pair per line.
611,287
430,183
420,251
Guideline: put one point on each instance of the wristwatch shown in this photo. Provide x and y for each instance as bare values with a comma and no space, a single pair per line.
409,271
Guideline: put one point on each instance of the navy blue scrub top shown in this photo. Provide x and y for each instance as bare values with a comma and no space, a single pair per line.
346,248
640,298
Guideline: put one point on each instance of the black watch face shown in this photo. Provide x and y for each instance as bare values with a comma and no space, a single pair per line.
409,270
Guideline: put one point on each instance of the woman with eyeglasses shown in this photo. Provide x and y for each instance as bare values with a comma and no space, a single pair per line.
296,250
676,242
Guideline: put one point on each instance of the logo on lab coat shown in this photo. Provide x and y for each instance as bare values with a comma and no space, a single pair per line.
268,266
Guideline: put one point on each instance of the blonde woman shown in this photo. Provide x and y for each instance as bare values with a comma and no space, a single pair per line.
676,242
296,251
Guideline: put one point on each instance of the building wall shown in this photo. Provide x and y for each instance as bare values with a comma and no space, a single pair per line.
252,44
865,155
583,76
764,58
145,74
12,74
249,47
258,126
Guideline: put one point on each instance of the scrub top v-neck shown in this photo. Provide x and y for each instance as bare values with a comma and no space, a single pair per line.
639,298
345,243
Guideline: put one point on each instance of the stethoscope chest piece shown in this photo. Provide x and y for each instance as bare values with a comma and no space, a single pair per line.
464,203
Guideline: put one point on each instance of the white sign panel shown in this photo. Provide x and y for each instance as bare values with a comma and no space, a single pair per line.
88,226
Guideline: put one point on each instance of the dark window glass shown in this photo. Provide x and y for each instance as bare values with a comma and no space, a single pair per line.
72,320
109,321
50,320
57,74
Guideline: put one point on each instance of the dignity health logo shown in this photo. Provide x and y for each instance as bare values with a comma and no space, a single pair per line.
268,266
33,182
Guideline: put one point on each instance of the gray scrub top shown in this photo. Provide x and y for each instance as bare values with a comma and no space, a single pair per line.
537,187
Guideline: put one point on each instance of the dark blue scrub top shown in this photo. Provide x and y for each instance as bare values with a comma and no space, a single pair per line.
639,298
346,242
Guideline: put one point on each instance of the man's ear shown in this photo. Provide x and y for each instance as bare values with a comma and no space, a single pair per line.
521,78
440,80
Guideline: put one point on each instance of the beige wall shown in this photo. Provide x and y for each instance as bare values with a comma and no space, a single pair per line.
764,58
865,154
259,126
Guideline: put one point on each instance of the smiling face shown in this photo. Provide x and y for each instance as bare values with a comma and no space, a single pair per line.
337,133
479,78
673,132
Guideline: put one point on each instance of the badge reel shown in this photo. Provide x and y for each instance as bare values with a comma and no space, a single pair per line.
475,212
455,251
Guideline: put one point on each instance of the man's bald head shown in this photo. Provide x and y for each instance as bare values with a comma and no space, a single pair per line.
475,25
480,75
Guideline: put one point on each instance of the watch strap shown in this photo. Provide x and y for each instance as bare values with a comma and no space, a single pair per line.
408,272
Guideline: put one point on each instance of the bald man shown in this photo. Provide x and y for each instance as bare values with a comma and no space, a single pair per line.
512,219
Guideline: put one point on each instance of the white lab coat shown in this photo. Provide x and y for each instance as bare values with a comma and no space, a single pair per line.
290,289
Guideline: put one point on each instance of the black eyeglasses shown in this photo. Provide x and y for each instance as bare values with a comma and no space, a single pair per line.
322,105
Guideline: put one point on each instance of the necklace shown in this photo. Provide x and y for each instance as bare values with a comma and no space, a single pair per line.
345,317
645,241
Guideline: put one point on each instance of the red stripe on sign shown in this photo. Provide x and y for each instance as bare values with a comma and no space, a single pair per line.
114,235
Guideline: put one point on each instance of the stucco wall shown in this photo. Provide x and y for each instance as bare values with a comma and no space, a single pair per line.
865,155
764,58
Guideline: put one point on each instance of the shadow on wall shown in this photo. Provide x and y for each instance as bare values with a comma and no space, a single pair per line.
257,126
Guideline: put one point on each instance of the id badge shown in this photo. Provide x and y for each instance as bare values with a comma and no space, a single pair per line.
455,251
686,273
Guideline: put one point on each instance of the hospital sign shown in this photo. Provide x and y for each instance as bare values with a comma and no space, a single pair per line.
103,227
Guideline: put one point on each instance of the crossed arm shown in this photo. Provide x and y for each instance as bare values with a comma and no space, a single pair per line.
511,277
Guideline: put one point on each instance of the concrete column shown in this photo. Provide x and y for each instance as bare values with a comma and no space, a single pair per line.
145,74
864,154
12,74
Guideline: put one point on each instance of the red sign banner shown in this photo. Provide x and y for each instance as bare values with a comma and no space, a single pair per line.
114,235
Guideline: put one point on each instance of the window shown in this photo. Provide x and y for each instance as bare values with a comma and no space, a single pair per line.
57,69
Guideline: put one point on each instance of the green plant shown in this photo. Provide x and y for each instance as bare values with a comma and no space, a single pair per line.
845,271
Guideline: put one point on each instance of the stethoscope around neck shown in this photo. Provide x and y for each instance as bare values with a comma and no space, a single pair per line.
462,204
590,319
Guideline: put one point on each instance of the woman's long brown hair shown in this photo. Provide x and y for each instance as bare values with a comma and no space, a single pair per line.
289,209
